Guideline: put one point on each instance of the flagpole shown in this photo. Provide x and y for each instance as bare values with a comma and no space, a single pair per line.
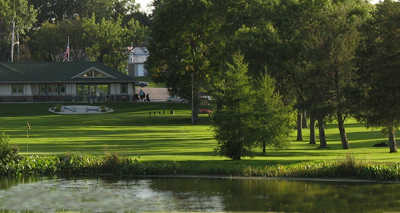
18,49
13,35
12,41
68,50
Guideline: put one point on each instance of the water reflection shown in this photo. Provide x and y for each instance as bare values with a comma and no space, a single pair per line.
290,196
206,195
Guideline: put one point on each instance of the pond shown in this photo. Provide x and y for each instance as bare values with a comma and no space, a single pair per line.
195,195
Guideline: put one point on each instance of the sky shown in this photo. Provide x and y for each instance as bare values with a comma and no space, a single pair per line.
144,5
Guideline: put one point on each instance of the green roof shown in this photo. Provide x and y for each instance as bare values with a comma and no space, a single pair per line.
58,72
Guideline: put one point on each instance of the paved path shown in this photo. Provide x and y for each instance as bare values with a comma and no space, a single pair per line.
156,94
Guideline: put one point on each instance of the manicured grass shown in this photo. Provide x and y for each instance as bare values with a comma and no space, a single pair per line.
130,131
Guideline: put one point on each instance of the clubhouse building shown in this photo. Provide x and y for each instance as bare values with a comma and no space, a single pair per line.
85,82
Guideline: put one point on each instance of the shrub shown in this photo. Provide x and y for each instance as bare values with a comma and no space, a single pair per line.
77,163
112,162
8,152
103,108
57,108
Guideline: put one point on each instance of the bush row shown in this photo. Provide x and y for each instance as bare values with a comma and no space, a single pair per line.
112,165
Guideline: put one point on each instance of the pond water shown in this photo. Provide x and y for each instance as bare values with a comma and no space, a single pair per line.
195,195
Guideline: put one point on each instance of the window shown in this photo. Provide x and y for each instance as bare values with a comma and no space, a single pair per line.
103,89
17,89
124,88
52,89
82,90
140,70
42,89
93,74
61,89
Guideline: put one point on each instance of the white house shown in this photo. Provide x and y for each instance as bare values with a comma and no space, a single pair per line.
136,62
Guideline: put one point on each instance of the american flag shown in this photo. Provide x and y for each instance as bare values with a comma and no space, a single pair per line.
67,52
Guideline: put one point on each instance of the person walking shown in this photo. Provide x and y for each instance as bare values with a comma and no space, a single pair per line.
142,95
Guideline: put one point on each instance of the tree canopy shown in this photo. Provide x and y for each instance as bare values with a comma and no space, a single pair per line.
379,70
313,50
24,16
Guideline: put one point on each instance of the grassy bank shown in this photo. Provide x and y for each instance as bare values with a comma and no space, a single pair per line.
145,139
77,165
131,131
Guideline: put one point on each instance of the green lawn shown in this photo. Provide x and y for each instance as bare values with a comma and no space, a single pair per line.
131,131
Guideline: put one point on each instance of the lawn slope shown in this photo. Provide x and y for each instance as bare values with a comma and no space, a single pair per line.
151,132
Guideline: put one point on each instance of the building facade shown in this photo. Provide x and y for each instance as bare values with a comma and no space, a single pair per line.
136,62
85,82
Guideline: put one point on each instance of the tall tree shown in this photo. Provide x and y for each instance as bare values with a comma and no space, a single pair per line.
24,16
270,118
59,10
268,37
249,112
335,37
379,70
45,49
104,41
108,41
180,46
231,119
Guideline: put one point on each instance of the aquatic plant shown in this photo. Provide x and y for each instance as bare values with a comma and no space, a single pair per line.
8,152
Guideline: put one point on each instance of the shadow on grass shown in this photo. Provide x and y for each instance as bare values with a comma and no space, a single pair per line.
133,134
347,125
293,154
163,146
105,119
15,110
246,162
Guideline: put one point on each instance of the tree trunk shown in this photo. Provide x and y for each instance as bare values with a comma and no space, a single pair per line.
219,106
342,130
312,129
264,147
195,100
236,157
392,139
304,120
299,127
322,138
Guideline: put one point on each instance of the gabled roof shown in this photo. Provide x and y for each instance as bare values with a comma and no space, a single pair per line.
58,72
140,51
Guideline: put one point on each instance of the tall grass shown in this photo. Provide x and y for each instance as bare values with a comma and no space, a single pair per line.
113,165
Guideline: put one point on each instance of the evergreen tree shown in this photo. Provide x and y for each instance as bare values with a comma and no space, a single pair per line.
334,36
270,120
230,121
248,114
